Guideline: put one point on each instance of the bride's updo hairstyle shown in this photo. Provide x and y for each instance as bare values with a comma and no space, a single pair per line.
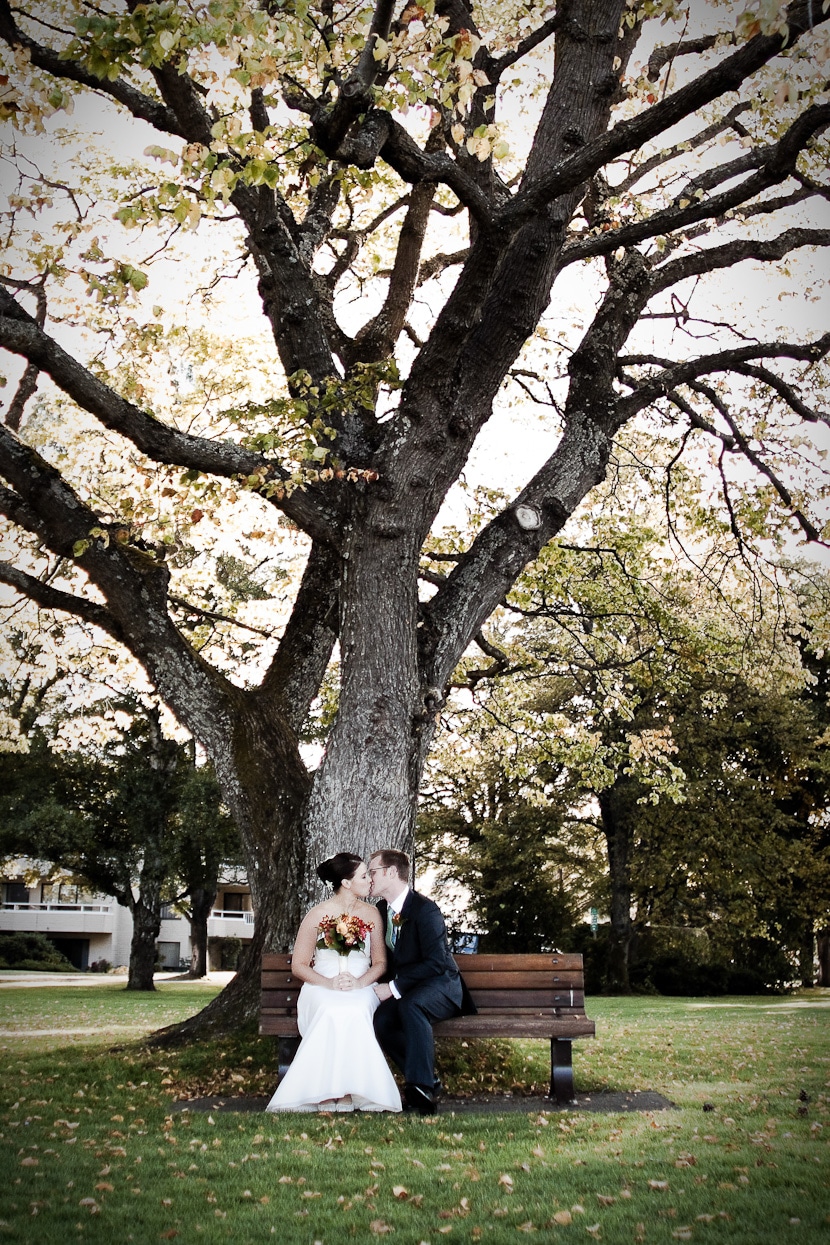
337,870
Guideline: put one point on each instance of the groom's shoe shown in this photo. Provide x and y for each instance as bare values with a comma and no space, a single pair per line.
420,1099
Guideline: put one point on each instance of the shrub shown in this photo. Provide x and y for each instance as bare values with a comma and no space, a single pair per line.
33,953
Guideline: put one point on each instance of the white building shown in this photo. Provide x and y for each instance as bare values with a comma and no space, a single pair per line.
89,928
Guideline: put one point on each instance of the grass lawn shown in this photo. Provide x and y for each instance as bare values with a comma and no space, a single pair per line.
91,1150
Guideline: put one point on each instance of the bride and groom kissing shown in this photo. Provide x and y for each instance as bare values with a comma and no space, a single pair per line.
375,980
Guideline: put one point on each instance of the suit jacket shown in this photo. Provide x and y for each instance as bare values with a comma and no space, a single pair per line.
421,952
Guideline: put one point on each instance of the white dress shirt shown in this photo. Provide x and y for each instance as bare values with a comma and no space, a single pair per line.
394,906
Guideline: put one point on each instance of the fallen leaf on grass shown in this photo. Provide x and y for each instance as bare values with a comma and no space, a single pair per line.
379,1227
682,1234
659,1186
605,1200
400,1192
563,1218
507,1182
29,1162
104,1187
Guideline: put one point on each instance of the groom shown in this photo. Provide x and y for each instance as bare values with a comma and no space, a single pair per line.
424,984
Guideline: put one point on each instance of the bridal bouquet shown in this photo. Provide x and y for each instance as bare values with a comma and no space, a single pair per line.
342,934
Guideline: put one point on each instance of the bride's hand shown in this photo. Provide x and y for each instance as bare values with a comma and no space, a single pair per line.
344,981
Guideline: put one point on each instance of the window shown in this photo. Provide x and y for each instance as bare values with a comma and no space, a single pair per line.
233,903
16,892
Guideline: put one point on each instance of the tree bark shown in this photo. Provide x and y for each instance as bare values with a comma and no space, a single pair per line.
146,926
806,957
612,809
823,947
201,902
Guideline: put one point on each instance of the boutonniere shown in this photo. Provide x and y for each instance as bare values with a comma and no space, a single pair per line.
398,920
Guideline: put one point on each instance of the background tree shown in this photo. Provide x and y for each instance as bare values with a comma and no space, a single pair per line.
657,705
204,842
140,824
322,150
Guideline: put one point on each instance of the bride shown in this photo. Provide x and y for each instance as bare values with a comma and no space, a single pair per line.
339,954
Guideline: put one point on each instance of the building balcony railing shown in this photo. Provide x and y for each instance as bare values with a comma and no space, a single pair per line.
227,923
58,918
57,907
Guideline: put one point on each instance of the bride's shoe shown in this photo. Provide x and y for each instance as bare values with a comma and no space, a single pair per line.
345,1104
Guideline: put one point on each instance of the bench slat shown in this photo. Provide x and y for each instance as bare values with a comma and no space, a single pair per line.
539,998
274,960
472,1026
274,979
503,963
280,998
521,981
518,1026
497,963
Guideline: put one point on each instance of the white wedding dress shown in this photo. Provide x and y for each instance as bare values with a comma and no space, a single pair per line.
339,1055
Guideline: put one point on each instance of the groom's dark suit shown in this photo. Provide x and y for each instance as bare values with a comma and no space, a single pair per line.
426,977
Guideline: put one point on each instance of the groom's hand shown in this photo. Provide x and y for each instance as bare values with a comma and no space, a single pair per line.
382,991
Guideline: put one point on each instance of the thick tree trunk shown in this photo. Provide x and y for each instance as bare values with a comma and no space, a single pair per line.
823,946
612,808
236,1006
146,926
201,902
363,797
806,957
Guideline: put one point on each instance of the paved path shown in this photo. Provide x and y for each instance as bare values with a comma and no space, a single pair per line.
479,1104
9,979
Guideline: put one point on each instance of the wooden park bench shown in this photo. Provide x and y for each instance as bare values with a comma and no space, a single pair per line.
517,996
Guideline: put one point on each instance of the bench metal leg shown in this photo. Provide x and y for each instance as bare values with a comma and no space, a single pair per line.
561,1071
287,1051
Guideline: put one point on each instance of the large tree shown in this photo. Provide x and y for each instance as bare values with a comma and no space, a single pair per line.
330,143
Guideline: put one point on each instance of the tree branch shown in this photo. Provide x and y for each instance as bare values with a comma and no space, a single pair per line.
20,334
674,374
526,45
302,657
740,444
50,598
769,250
377,338
134,587
628,135
141,106
679,149
779,162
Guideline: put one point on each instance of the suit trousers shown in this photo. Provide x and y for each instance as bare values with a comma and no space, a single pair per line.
404,1026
